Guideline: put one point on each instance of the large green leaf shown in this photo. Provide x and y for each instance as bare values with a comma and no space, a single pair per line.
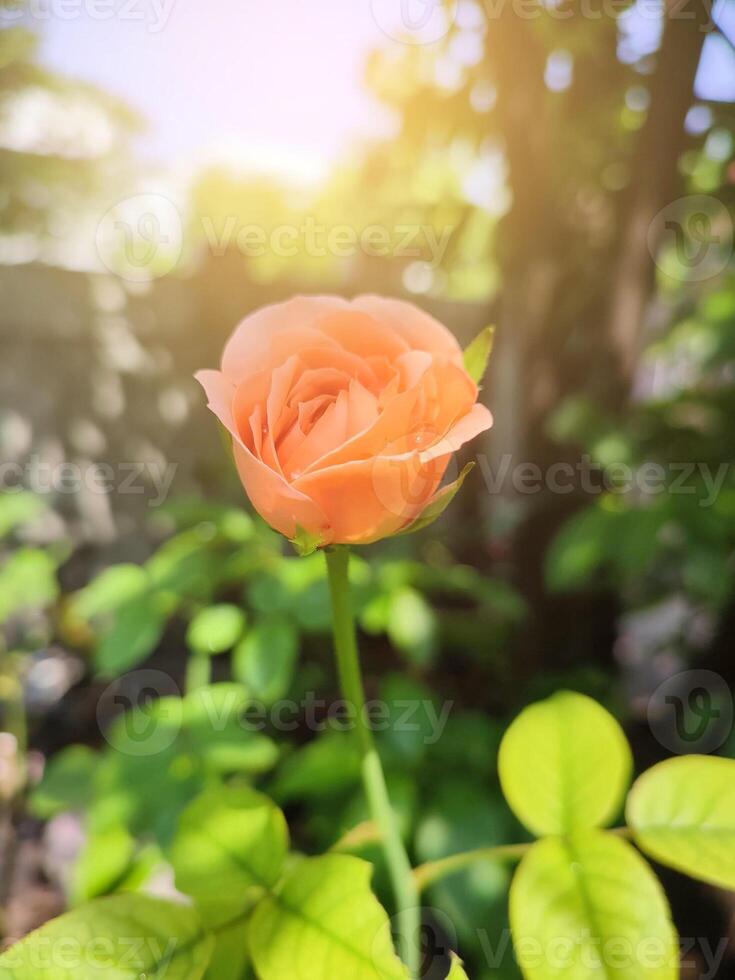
123,937
683,815
324,921
589,907
564,765
229,850
264,660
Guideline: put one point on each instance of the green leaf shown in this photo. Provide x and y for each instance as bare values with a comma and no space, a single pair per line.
327,766
564,765
229,850
264,660
457,970
589,906
578,550
104,861
122,937
216,629
188,564
18,508
324,921
135,633
683,814
477,354
305,543
27,581
110,590
67,784
412,626
438,504
221,735
231,956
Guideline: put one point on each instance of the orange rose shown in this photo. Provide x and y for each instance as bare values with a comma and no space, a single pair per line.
343,415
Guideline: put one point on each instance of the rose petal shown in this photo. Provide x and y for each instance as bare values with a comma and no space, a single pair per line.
477,420
361,334
249,347
418,329
278,503
382,495
327,433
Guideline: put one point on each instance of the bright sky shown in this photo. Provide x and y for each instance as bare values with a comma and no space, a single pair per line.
264,79
274,84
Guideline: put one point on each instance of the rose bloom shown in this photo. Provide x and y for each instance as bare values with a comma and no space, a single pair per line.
343,415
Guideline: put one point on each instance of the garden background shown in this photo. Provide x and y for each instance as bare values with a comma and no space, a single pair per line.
564,170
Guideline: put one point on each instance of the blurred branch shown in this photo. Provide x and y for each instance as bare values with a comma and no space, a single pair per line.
656,179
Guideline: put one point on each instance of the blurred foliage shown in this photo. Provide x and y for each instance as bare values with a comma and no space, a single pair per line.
668,529
220,580
57,169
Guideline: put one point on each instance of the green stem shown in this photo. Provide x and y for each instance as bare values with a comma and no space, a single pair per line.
348,664
426,874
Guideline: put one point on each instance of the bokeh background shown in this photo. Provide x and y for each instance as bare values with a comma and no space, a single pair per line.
564,169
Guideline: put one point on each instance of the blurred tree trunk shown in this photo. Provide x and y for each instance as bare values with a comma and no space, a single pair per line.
569,326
